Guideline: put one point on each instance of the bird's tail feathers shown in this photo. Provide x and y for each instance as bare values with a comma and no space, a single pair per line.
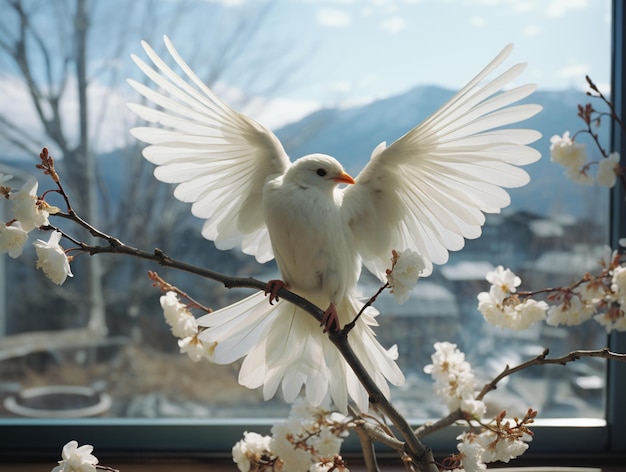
285,347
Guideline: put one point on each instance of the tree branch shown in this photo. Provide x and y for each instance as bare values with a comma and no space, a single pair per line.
419,454
430,428
542,359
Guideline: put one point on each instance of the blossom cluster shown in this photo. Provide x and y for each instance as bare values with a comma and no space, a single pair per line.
252,452
454,380
601,297
565,151
184,326
406,268
503,308
308,441
31,212
476,450
76,459
499,441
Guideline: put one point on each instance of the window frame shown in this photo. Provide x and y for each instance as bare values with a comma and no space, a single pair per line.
195,437
616,371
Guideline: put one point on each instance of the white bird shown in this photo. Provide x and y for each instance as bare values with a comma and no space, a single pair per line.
425,192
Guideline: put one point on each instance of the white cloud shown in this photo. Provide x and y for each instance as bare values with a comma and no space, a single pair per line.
342,86
558,8
574,71
393,25
338,2
524,6
333,17
227,3
16,105
111,119
278,112
531,30
271,113
488,3
477,21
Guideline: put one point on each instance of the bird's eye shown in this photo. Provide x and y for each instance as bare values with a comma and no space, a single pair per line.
321,172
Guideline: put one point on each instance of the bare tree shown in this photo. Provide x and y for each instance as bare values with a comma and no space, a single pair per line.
61,49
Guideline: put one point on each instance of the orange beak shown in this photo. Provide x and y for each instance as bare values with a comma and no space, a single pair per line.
344,178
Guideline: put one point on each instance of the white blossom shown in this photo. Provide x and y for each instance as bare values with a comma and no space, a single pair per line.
504,279
284,434
454,380
303,410
293,458
511,312
612,320
447,360
196,348
327,466
27,209
250,450
336,418
579,175
490,304
471,453
402,278
310,438
180,319
500,449
529,311
52,260
469,404
571,312
618,284
488,446
327,444
593,292
566,152
608,169
12,239
76,459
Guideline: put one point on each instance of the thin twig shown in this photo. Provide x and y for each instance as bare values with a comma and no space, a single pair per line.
542,359
348,327
430,428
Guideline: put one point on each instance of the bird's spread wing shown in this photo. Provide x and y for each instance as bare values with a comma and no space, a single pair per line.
429,189
218,158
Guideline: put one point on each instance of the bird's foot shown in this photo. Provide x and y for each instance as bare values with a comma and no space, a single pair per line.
330,319
272,288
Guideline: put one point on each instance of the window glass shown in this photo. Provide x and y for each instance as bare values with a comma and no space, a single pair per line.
329,77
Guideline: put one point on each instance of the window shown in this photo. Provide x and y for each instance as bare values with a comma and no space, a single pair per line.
328,78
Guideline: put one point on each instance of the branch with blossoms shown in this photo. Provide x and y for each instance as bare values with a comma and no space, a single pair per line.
311,438
572,155
31,212
600,297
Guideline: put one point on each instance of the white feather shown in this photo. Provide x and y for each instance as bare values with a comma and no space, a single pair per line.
443,171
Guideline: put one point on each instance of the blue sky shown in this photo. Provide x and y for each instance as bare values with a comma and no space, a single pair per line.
349,52
370,49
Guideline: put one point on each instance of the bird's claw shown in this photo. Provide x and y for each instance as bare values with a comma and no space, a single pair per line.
272,288
330,319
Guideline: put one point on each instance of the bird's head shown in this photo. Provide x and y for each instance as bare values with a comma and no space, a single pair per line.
319,171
